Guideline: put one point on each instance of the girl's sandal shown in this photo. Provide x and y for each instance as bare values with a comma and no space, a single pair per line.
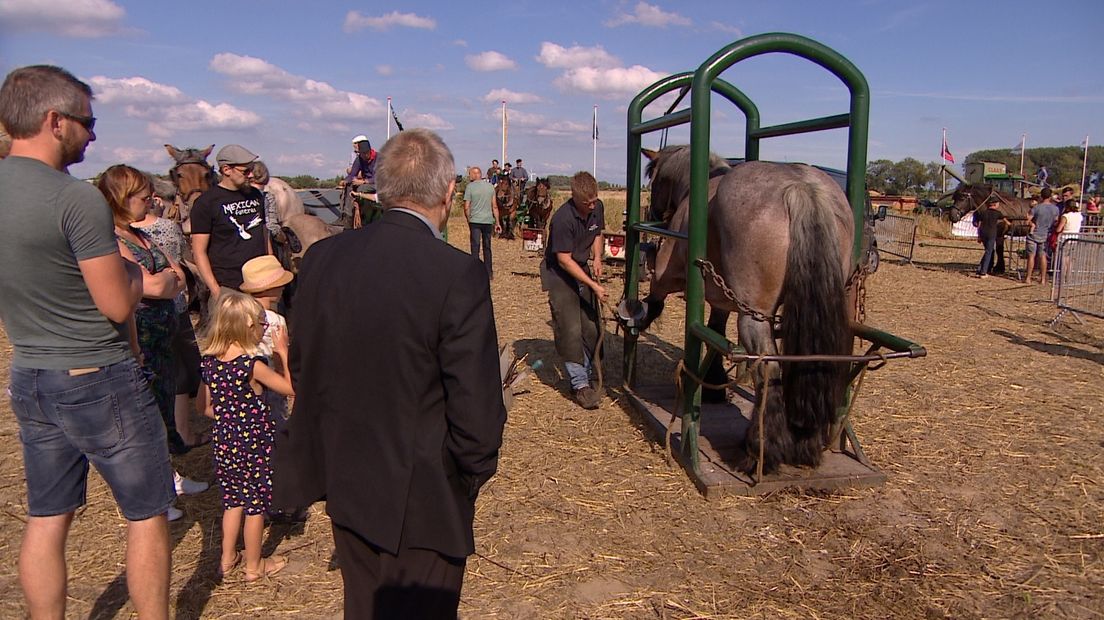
225,569
269,567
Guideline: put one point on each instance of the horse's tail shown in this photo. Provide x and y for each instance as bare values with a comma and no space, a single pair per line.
814,321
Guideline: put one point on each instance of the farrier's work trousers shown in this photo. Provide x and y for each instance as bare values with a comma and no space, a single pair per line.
574,318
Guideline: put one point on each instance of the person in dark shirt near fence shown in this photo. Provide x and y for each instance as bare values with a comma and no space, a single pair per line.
989,221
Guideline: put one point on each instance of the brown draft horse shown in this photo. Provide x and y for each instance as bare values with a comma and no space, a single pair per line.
539,201
969,197
192,175
506,194
780,236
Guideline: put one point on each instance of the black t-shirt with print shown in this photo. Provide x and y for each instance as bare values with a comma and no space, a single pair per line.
235,219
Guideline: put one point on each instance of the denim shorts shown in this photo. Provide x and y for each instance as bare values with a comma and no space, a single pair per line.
1035,248
107,417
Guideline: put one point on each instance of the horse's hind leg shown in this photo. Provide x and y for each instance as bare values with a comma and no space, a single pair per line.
757,337
715,374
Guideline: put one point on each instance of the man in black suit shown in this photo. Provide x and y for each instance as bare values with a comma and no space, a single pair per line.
398,413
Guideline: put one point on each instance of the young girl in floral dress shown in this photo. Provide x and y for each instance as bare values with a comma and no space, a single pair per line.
234,376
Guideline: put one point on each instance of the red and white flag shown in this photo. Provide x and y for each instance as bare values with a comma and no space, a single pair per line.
946,152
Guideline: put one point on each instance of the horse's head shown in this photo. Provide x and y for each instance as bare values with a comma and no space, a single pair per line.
191,174
962,202
669,172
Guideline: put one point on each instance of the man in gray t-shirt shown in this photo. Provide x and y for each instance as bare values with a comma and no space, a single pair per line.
1042,218
481,210
67,301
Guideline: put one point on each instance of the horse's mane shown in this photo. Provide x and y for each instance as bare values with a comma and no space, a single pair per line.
669,171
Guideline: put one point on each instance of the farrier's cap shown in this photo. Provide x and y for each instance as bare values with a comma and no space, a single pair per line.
234,154
360,138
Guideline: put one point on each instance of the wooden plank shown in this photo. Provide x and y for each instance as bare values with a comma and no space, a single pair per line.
721,446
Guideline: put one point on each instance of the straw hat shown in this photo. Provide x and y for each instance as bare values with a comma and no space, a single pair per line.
262,273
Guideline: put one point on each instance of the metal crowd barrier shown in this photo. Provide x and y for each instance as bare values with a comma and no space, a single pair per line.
1079,287
896,235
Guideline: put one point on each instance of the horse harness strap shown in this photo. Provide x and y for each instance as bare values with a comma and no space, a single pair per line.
762,317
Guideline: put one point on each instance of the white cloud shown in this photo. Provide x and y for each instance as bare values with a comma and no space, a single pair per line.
424,121
355,21
133,90
314,161
385,70
166,109
517,117
194,116
608,83
74,18
559,57
509,96
723,27
138,157
460,43
565,129
319,100
649,15
489,61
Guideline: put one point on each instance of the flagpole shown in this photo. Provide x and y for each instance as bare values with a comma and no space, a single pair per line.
1023,148
594,143
943,167
1084,168
503,160
388,119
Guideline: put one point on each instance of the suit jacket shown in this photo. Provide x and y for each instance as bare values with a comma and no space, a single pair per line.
398,411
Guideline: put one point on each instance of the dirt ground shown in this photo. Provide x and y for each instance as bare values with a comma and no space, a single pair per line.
994,505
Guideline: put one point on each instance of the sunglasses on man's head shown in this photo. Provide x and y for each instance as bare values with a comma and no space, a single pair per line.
88,122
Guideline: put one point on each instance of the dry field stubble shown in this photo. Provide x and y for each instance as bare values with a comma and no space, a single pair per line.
993,508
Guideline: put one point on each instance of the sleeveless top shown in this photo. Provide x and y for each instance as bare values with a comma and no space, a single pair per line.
154,261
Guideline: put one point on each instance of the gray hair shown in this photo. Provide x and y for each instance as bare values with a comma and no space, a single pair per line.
29,93
260,173
415,166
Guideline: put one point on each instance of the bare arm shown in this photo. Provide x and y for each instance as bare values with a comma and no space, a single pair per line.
494,212
164,284
573,268
276,381
115,285
467,210
203,263
596,252
208,409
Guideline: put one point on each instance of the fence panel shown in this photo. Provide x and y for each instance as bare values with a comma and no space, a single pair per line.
896,235
1080,288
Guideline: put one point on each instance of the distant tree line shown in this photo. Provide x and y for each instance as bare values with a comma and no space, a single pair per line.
913,177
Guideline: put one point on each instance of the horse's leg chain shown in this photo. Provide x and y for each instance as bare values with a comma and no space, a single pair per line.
856,281
741,306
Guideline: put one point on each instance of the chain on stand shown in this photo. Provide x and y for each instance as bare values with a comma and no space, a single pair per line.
741,306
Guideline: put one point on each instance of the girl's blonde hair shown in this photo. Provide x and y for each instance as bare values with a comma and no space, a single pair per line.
231,321
118,183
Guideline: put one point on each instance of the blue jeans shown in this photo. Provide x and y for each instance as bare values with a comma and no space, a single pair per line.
482,232
987,258
579,374
106,416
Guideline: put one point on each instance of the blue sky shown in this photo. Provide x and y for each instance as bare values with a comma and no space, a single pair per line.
295,81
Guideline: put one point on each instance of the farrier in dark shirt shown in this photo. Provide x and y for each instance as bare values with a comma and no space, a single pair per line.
988,221
568,232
